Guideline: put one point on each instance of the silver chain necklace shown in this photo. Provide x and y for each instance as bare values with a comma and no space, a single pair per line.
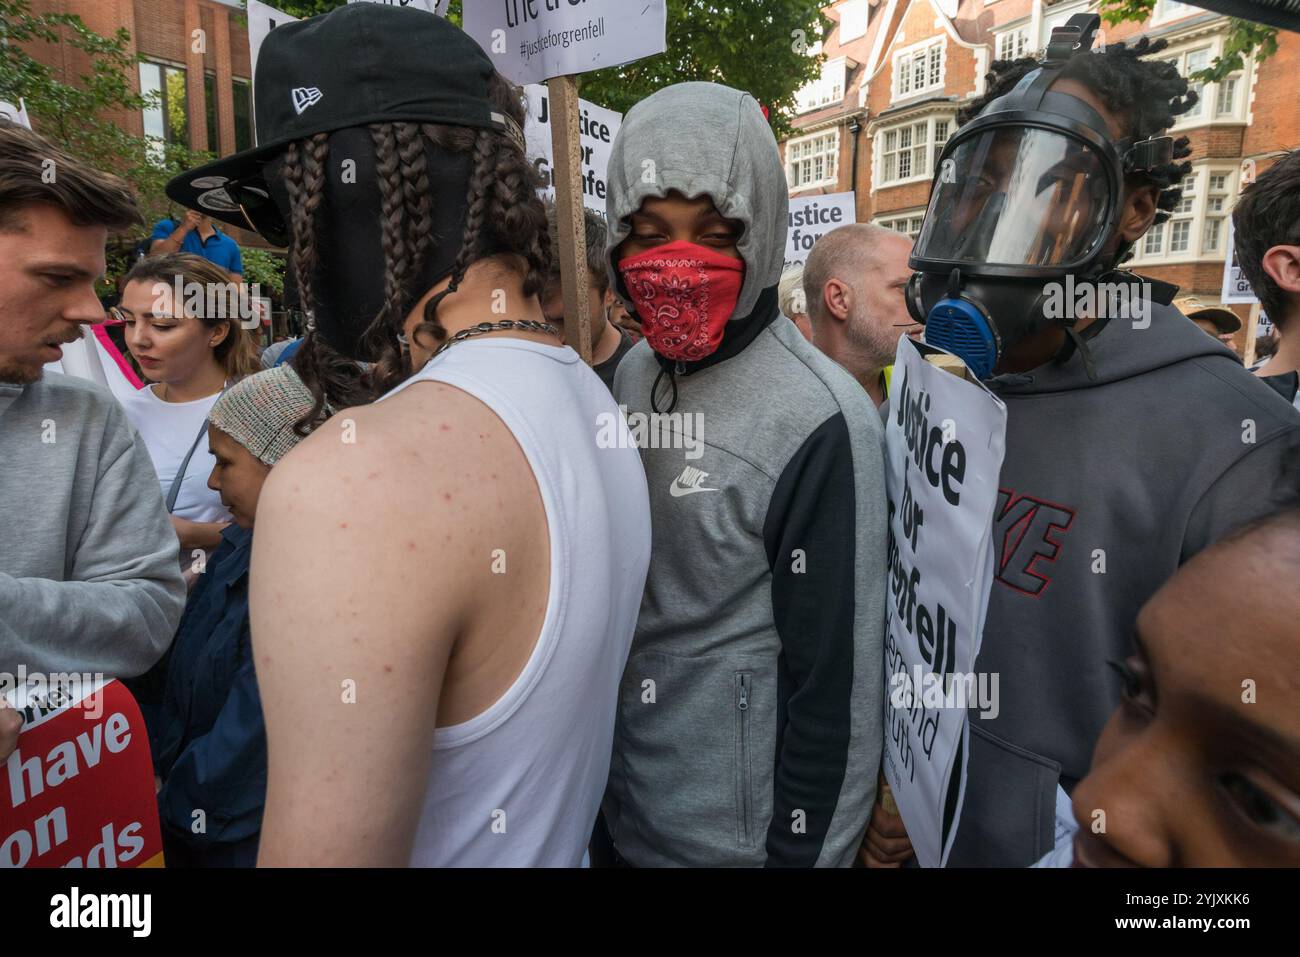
529,325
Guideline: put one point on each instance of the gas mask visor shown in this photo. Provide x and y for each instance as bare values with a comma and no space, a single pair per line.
1017,200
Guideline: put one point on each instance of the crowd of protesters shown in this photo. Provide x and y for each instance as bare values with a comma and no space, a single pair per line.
578,648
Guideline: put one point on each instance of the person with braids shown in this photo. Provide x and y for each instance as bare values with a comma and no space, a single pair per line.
1108,483
445,581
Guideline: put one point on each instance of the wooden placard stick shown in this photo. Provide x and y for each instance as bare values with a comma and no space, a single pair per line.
1252,328
563,91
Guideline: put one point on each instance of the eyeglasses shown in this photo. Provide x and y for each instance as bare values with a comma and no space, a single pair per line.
258,209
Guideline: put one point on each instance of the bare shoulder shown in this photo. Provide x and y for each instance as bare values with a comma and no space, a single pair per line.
377,451
432,467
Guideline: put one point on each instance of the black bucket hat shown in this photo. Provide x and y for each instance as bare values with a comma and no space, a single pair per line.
358,64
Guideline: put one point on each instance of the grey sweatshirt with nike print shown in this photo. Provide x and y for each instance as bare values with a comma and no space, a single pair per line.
749,719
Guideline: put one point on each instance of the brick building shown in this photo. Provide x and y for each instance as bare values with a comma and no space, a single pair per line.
896,72
195,52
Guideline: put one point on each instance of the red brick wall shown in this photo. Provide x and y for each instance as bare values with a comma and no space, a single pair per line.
959,80
1275,120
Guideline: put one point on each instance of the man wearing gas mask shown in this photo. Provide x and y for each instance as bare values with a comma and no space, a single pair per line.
1109,483
439,689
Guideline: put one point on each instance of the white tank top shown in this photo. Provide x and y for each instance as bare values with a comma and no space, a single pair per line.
519,785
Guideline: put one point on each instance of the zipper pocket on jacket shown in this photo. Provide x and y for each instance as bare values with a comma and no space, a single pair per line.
744,795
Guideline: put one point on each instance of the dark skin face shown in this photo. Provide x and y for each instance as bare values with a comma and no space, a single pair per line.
1137,213
1187,773
238,476
674,218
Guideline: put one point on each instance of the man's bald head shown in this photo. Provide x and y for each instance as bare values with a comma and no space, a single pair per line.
855,281
851,254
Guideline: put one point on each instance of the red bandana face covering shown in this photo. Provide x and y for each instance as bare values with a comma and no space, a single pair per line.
684,294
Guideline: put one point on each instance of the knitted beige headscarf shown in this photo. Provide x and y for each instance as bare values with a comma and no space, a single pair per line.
259,411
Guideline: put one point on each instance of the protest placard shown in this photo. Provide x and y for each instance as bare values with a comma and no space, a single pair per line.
597,127
534,40
262,19
944,444
1236,287
811,218
78,791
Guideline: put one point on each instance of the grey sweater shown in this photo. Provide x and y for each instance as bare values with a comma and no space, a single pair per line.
1108,485
749,720
89,577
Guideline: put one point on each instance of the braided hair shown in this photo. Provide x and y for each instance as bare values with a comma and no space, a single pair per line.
1145,95
504,216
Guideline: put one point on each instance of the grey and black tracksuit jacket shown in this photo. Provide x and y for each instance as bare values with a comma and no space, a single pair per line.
749,719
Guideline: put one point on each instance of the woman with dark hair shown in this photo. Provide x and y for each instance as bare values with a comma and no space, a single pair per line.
437,550
183,327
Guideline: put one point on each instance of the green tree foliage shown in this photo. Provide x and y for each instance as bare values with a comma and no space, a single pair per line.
760,46
1244,38
84,116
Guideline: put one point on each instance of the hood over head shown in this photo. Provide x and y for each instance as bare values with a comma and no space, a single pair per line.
703,139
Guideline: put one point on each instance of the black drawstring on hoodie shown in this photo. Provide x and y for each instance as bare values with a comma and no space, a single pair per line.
738,334
664,370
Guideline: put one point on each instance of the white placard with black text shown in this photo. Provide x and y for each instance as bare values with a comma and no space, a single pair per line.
811,218
944,443
1236,287
597,128
531,41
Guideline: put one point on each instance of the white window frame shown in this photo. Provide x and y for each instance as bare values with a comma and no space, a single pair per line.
910,54
1195,211
912,220
930,155
1020,33
822,92
830,157
1207,110
1054,17
1166,11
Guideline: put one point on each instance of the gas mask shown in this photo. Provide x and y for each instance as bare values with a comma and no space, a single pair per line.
348,283
1028,192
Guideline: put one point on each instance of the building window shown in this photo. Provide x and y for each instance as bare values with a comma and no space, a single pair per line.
210,109
813,160
1216,205
918,70
166,119
1193,62
825,90
1226,103
853,20
1167,10
243,95
1012,44
1195,228
911,150
1057,17
909,225
1155,241
1214,100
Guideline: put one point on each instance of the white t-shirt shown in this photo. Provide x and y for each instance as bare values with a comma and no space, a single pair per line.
168,429
519,784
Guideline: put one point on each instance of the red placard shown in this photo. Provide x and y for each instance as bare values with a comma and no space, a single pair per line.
78,791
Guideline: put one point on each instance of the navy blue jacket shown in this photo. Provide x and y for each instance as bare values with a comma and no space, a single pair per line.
210,744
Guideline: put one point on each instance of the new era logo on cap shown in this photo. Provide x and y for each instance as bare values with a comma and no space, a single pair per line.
303,97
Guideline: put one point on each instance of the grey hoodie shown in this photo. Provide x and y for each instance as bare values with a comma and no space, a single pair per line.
1107,487
90,580
749,718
